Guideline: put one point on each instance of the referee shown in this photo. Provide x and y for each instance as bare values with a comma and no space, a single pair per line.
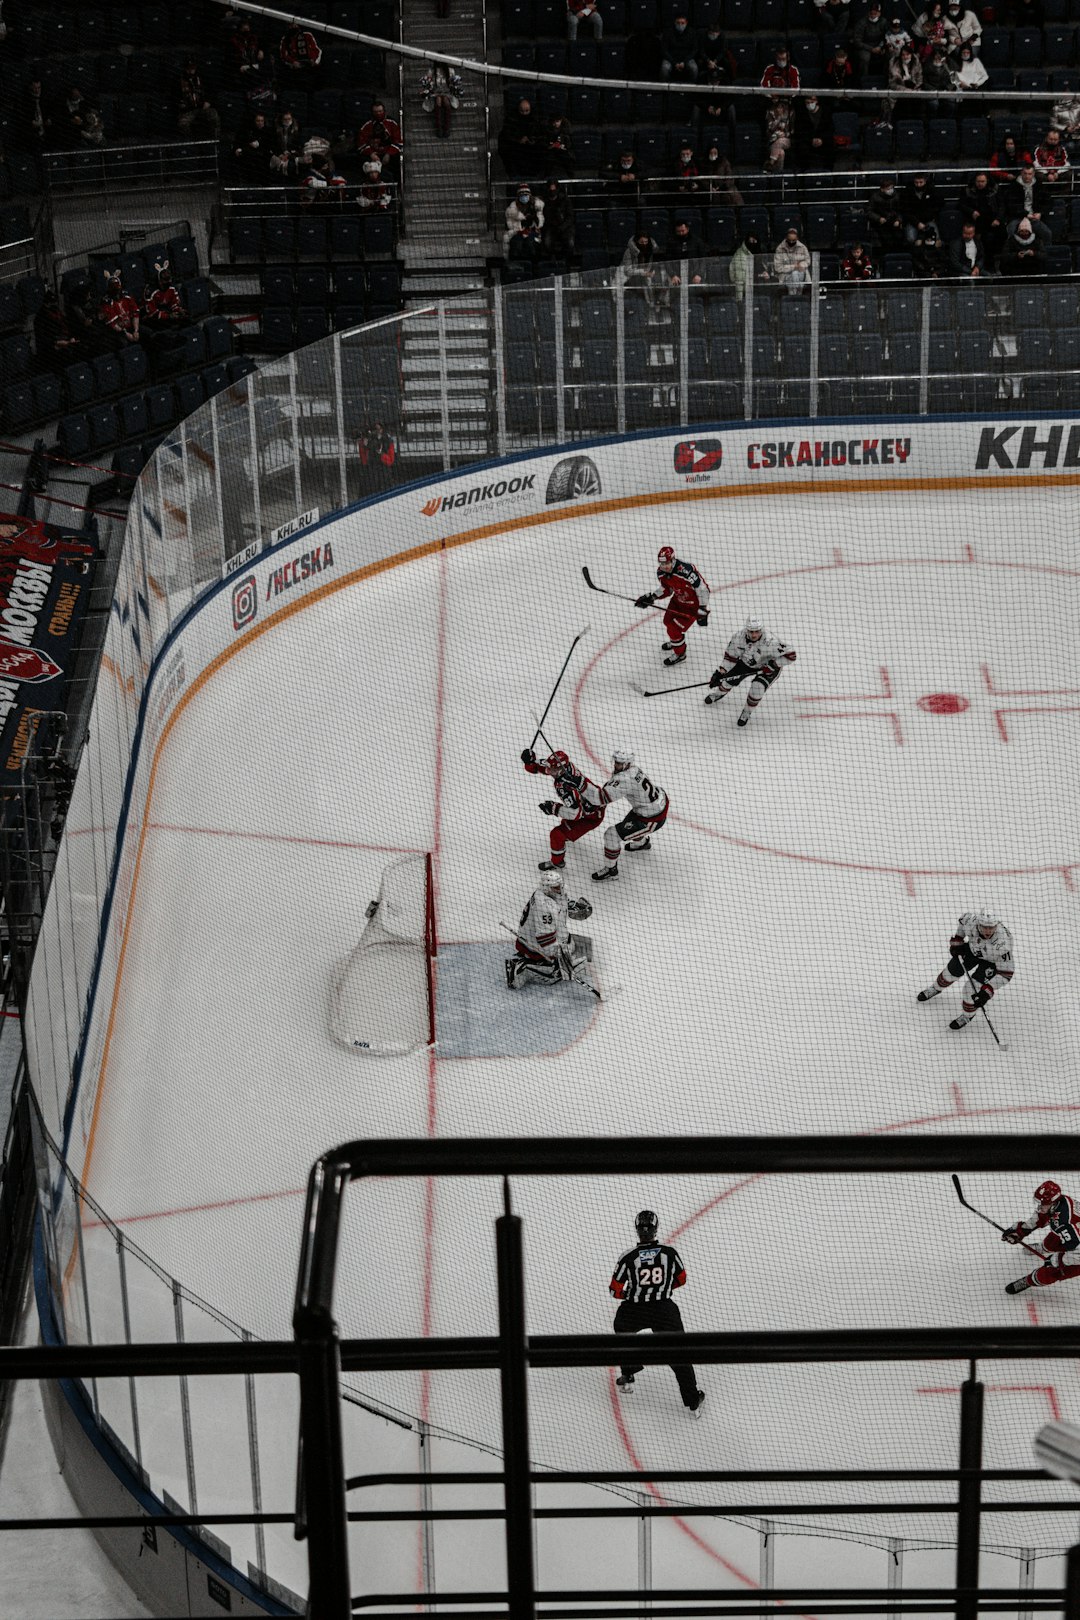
643,1283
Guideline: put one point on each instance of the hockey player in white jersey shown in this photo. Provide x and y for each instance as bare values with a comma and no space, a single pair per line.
547,951
981,953
647,814
751,652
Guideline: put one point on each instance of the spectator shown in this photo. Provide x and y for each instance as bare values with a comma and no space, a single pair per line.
748,265
928,259
781,73
839,73
711,49
300,54
1024,253
812,140
779,132
287,144
197,114
375,195
719,178
980,206
579,11
931,27
559,151
856,264
966,255
253,148
247,52
87,322
965,23
968,71
678,62
717,73
687,173
34,122
1026,194
377,454
1008,160
920,206
1065,116
640,270
380,137
868,42
791,263
1051,158
905,73
937,75
524,219
626,177
896,37
559,243
440,88
120,313
521,141
832,16
884,217
164,315
56,342
80,120
688,250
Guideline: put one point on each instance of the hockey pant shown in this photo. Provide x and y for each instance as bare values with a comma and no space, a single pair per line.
677,621
568,832
564,963
761,679
661,1317
1056,1268
631,830
964,964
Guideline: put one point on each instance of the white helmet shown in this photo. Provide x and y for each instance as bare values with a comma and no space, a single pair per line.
552,883
986,922
753,629
622,756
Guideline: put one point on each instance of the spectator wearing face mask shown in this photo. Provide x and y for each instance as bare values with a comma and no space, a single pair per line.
626,178
884,217
559,241
583,11
781,73
559,148
716,72
868,43
856,264
688,250
640,269
749,264
791,262
678,62
1009,159
965,23
779,131
719,180
1024,253
813,146
687,173
525,220
905,73
931,27
300,54
928,257
937,75
968,71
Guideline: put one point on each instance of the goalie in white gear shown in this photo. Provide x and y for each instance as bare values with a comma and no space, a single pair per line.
980,953
647,814
751,652
547,951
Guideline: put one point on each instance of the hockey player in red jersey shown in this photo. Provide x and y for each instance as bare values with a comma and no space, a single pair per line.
1061,1245
579,808
685,593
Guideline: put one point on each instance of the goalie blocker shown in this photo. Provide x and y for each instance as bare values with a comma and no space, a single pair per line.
547,952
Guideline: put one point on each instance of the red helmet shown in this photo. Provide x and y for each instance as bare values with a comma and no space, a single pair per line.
665,556
1047,1192
557,763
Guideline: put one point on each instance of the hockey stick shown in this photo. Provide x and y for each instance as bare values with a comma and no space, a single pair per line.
540,730
1004,1045
959,1193
571,977
664,690
558,683
602,589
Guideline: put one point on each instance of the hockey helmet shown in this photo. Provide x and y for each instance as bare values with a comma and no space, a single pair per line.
665,557
646,1222
622,756
1047,1192
558,763
552,883
986,922
753,629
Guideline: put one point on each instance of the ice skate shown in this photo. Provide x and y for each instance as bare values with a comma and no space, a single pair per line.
625,1382
695,1410
636,849
550,866
611,871
961,1020
676,656
714,697
667,646
1019,1285
744,718
511,972
930,992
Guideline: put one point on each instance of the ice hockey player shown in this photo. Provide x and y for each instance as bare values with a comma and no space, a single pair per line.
1061,1245
750,652
685,592
647,814
643,1282
547,951
980,953
579,808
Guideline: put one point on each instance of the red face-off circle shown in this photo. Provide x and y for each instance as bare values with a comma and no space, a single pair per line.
943,703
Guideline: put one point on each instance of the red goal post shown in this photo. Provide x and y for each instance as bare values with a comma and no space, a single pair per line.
383,996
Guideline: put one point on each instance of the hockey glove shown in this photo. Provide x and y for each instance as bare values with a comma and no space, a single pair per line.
645,601
579,910
956,944
1015,1234
702,618
528,757
717,678
549,807
980,998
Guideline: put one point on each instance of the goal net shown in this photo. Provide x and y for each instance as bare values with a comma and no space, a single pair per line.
382,1002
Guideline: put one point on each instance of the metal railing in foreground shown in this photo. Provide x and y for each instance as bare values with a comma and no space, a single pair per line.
155,163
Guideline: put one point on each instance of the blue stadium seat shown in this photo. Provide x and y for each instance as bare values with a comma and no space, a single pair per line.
160,407
108,377
279,238
749,145
589,228
245,239
910,136
720,232
104,425
128,462
11,311
1027,46
584,106
196,296
78,384
239,366
313,286
73,436
378,236
16,358
868,354
219,338
942,138
46,392
133,417
996,48
384,286
974,137
31,294
134,366
189,395
311,239
877,143
347,316
896,266
278,330
278,285
973,350
312,323
345,238
350,286
183,257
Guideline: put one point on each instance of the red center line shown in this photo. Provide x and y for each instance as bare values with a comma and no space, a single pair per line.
279,838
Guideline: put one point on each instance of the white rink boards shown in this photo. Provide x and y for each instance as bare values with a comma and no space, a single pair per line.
918,759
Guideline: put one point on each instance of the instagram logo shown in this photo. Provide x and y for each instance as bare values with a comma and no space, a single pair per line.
245,602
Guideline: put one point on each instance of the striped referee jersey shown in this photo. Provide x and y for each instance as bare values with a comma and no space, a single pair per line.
647,1274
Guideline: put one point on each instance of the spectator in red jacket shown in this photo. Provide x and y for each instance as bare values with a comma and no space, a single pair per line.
380,137
300,54
1009,159
1051,157
781,73
856,264
248,54
839,73
120,313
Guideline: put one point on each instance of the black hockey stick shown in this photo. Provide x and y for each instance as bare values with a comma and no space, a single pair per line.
1004,1045
664,690
1020,1242
603,591
558,683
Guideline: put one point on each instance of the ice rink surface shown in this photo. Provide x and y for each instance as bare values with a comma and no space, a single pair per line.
919,759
